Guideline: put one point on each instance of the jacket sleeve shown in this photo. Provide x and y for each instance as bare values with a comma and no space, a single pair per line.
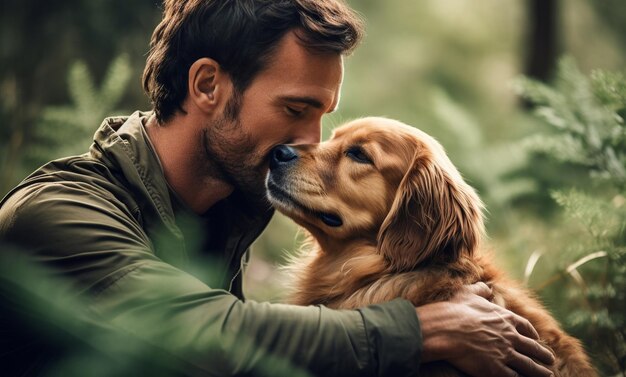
106,256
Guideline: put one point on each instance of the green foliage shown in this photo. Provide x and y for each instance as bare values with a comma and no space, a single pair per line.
68,130
482,162
586,119
39,42
600,218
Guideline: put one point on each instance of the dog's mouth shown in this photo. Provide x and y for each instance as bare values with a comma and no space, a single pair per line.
283,199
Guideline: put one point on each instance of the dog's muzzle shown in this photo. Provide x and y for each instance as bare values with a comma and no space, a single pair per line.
282,158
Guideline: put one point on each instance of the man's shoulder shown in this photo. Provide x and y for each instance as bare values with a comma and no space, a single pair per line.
57,198
71,171
81,177
65,217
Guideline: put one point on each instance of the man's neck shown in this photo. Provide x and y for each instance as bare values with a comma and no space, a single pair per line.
177,144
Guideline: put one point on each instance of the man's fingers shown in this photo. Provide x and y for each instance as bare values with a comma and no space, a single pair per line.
525,366
481,289
470,367
523,326
534,350
508,372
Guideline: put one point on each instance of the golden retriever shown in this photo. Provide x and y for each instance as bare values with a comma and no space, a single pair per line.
390,216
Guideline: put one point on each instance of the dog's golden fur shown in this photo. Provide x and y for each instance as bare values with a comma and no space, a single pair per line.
390,216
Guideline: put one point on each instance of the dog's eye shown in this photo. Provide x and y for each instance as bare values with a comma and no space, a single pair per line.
357,154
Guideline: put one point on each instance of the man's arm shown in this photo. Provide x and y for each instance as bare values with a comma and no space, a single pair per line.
95,244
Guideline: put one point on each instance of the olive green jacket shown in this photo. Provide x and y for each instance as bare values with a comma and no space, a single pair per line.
108,223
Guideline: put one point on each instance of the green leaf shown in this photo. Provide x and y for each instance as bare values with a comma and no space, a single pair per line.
81,86
115,82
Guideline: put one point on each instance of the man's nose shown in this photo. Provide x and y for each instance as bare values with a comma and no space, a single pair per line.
282,156
310,134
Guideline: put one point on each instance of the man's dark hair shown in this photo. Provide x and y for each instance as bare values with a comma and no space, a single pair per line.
241,35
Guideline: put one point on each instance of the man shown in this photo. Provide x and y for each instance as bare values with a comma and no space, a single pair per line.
229,81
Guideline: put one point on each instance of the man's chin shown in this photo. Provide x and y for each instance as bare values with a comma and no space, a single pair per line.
255,194
252,186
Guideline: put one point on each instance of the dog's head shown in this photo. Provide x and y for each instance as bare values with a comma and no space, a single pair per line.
383,181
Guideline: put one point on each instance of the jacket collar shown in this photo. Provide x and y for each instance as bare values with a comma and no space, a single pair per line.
124,143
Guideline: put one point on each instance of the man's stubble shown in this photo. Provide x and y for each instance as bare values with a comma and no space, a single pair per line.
229,155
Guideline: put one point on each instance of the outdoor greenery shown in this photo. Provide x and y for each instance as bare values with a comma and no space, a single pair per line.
547,157
88,106
586,120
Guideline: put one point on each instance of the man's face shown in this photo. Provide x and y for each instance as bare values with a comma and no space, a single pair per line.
284,104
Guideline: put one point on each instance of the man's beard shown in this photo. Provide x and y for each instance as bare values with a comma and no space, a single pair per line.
230,156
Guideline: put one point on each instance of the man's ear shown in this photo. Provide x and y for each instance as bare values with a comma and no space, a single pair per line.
435,217
207,85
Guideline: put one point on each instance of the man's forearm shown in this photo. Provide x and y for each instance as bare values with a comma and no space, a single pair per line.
216,332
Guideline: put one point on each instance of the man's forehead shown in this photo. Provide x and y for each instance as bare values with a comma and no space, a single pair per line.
294,74
293,61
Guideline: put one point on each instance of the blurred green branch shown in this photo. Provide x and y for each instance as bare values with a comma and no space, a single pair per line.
68,130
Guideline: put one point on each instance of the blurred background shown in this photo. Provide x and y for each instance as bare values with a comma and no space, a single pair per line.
528,98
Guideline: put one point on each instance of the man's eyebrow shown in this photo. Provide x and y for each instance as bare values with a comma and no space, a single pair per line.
304,99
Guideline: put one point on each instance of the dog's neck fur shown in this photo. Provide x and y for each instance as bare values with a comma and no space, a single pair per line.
356,274
326,276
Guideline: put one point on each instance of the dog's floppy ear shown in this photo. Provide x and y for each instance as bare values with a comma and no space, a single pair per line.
435,216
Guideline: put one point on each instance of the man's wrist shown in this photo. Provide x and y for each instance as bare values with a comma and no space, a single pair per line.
435,345
394,335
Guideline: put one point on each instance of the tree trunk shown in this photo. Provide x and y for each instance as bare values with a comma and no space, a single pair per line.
542,39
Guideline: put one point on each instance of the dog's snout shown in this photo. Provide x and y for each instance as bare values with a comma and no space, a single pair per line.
282,155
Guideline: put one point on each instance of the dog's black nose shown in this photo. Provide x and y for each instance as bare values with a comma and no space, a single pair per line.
282,155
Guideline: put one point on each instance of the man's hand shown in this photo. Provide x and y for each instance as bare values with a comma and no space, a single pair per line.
481,338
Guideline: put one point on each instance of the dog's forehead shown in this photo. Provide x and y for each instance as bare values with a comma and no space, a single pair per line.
364,128
388,131
392,138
